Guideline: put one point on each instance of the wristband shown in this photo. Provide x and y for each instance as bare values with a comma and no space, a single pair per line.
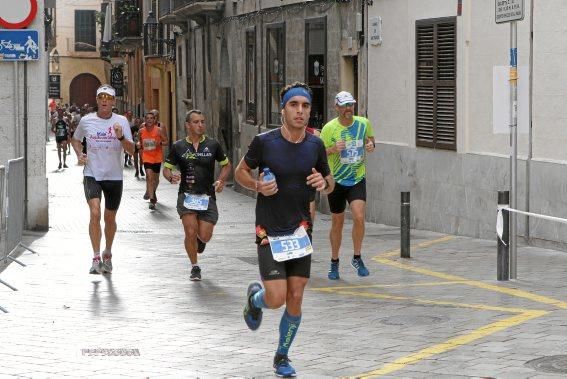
121,139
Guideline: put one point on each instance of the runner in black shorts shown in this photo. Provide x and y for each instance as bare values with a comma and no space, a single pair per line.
60,127
112,190
196,202
299,163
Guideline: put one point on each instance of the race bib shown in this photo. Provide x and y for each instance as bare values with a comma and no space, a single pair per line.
293,246
150,144
61,132
353,152
196,202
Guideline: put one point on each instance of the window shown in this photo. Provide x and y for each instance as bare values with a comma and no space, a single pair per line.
315,65
251,76
275,64
436,73
85,30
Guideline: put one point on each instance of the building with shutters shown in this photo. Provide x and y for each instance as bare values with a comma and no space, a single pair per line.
78,32
233,57
432,101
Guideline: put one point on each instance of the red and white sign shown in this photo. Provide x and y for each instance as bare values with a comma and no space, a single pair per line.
20,14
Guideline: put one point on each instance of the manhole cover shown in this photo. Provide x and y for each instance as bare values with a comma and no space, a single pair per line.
556,364
413,320
110,352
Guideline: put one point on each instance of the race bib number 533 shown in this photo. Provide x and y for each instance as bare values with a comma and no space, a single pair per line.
292,246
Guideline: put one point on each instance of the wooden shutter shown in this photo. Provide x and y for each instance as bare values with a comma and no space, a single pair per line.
436,74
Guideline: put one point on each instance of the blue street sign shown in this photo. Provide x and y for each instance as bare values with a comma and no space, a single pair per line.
19,45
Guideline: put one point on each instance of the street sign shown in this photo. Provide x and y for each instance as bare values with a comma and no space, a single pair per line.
508,10
19,45
117,80
18,14
54,86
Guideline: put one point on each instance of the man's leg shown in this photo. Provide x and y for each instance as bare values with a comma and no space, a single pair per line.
191,227
289,324
64,145
95,232
59,153
358,211
149,183
336,233
109,228
204,234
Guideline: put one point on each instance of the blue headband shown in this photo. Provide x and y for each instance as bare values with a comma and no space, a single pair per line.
295,91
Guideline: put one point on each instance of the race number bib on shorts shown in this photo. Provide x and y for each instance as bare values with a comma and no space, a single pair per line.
196,202
150,144
353,152
294,246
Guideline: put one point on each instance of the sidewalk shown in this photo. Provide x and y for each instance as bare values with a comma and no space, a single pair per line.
440,314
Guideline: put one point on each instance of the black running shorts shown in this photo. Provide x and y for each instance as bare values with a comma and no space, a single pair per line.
155,167
61,139
112,190
270,269
341,194
210,215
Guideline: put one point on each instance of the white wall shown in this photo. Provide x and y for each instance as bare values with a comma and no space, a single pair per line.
37,123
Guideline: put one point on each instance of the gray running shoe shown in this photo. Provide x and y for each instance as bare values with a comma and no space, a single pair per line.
106,266
195,274
96,267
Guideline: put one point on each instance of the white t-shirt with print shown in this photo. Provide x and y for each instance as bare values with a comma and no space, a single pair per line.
104,151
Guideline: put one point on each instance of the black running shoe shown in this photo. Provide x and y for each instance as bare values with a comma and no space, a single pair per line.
59,166
195,274
200,246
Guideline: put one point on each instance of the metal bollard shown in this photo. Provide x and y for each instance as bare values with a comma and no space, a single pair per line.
405,226
503,256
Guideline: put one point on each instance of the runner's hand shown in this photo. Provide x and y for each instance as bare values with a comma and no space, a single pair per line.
118,130
219,185
316,180
82,159
340,146
370,146
266,188
175,178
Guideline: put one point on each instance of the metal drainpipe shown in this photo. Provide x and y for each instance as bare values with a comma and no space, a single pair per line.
26,145
530,135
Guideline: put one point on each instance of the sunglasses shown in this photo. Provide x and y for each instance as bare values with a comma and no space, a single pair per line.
105,96
345,105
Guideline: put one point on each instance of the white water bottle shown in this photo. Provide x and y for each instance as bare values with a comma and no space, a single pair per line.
268,175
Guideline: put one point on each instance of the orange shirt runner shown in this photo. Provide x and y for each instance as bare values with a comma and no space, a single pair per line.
150,141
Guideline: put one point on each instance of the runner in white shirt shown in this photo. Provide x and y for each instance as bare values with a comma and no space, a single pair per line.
107,135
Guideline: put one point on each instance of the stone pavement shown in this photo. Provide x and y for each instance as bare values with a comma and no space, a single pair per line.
439,314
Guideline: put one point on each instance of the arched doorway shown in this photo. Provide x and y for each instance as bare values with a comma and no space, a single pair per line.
83,89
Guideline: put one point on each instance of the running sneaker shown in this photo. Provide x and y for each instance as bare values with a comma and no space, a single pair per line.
137,175
96,266
65,166
146,195
106,267
358,265
152,206
252,314
195,274
200,246
59,166
334,271
142,173
282,366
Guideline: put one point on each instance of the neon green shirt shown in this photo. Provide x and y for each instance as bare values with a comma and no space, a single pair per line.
348,166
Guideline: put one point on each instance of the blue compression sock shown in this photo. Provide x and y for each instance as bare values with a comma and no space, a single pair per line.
259,299
288,328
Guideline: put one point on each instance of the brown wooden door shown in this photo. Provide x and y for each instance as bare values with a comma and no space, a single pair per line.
83,90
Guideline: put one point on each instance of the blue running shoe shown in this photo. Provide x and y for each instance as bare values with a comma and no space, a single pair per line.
334,271
282,366
252,314
359,266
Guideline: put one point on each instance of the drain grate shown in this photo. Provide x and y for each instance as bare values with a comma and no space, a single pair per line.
110,352
556,364
408,320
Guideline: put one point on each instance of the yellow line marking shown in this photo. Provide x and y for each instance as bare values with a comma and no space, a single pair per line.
474,283
454,343
420,284
372,295
396,252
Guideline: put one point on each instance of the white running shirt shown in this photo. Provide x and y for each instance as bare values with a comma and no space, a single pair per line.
104,151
